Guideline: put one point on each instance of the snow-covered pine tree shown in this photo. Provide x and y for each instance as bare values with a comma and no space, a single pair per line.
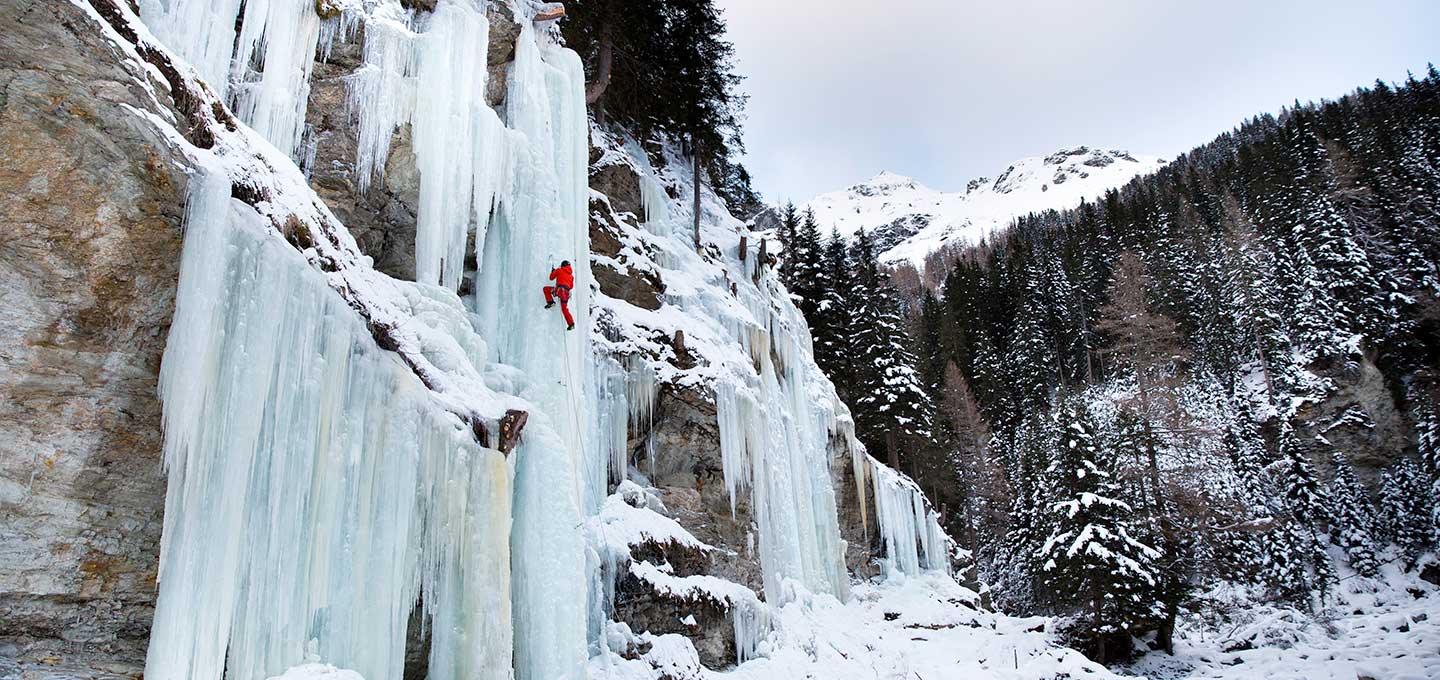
893,409
1427,440
1091,556
1352,518
1298,562
1251,296
807,268
1032,361
1025,452
832,333
789,228
1245,557
1406,505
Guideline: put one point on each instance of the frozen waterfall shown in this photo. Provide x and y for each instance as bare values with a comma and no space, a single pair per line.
316,491
541,221
319,491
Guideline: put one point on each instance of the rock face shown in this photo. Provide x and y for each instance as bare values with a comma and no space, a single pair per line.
1357,418
382,219
91,199
682,460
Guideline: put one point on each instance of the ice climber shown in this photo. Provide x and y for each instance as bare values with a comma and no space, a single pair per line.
564,279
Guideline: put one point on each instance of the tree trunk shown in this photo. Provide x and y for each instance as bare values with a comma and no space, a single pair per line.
892,450
1099,636
1264,369
695,164
604,65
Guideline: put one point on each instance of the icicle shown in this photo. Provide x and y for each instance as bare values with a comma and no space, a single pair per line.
382,93
338,29
609,461
201,31
914,539
653,200
315,490
640,392
279,37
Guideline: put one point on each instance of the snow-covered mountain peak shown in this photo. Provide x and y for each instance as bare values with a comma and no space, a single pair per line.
1073,163
909,220
884,182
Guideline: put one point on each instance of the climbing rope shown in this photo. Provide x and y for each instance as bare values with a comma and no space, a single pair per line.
569,386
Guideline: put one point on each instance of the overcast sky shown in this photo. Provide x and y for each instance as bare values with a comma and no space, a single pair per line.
948,90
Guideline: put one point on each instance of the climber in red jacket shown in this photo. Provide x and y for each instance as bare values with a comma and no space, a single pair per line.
564,279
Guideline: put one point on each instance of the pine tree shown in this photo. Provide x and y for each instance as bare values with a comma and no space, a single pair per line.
891,392
789,228
1427,440
1032,361
1090,556
1299,565
1351,519
808,271
1406,506
833,333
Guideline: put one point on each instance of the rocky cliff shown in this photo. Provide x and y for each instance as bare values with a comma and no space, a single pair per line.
91,198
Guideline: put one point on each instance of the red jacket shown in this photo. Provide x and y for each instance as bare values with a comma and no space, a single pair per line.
563,276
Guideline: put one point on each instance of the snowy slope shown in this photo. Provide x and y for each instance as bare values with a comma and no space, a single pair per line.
910,220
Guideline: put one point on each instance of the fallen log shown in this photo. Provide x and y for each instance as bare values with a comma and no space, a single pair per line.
550,12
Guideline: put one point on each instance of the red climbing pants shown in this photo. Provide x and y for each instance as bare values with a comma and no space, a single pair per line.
562,292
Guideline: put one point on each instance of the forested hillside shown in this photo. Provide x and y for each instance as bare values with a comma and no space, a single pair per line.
1222,372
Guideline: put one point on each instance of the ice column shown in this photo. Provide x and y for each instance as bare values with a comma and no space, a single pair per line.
914,539
460,143
201,31
540,221
315,490
435,80
279,38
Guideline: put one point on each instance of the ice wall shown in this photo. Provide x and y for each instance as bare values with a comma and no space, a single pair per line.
539,222
315,491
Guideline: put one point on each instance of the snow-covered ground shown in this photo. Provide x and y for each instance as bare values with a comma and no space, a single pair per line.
920,628
914,220
1385,629
924,628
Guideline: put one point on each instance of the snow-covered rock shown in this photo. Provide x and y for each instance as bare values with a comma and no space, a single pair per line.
316,671
909,220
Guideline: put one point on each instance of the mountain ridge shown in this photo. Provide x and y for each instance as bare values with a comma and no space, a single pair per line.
909,220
